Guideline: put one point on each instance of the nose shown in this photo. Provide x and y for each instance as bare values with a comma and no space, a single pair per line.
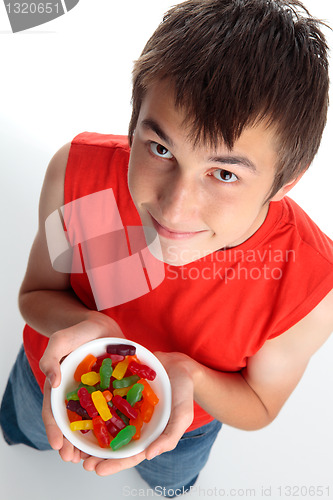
178,200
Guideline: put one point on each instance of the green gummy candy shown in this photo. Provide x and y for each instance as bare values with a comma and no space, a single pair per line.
123,437
125,382
134,394
72,396
90,388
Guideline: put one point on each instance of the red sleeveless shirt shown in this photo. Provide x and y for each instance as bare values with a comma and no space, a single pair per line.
219,309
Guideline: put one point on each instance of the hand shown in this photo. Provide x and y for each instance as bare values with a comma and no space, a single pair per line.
61,343
179,368
67,451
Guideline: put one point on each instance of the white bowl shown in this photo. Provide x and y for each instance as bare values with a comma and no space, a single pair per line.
88,442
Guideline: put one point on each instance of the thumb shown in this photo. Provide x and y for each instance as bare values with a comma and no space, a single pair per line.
49,365
53,379
52,373
53,433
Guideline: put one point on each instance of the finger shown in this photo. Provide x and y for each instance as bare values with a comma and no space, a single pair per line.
91,462
67,451
77,456
180,419
112,466
167,441
54,434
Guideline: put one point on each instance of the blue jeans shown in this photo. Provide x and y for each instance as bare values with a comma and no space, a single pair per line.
21,407
174,472
170,474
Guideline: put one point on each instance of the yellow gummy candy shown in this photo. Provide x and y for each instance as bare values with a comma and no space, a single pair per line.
120,369
81,425
90,378
122,391
101,405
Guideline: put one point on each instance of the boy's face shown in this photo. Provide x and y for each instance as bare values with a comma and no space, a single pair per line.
198,199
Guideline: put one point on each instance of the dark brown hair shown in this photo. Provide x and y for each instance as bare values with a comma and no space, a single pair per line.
234,63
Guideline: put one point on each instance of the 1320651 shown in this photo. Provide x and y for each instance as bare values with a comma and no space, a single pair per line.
303,491
33,8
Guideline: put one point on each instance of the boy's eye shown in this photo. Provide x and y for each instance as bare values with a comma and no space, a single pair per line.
160,151
225,176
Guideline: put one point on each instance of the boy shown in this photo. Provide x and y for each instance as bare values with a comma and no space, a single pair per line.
229,104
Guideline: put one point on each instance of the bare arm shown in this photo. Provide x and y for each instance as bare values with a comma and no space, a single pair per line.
46,300
49,305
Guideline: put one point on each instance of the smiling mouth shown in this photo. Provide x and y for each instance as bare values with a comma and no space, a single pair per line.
171,233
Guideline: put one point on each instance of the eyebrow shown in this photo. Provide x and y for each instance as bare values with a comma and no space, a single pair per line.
150,124
241,161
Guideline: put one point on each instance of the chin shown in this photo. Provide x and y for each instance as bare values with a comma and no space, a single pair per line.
174,255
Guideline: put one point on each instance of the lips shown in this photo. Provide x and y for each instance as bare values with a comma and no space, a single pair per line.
171,233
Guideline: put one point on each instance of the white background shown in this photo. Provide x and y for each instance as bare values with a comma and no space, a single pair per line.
71,75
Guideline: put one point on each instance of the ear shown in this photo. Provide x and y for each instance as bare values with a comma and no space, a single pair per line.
286,188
